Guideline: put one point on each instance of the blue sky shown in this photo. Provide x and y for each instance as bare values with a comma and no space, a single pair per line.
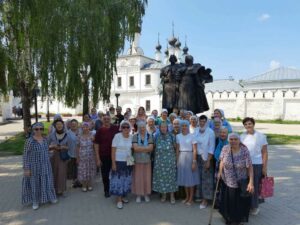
239,38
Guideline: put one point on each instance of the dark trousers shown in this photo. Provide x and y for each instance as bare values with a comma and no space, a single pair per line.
257,175
105,170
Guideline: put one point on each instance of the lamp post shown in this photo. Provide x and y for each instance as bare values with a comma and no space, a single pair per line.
117,96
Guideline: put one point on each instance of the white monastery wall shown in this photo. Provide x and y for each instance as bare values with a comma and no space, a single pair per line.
260,105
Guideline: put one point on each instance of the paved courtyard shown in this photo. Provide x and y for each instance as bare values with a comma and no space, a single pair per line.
92,208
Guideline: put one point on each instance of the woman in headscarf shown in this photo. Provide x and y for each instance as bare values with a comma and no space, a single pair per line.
51,128
187,172
172,117
142,146
150,127
176,127
141,115
59,143
164,172
37,184
194,127
219,113
235,165
87,158
133,125
217,126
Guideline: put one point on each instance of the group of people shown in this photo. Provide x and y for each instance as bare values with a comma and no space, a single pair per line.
144,154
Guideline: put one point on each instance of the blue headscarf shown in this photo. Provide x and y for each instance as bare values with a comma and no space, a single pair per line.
139,125
221,144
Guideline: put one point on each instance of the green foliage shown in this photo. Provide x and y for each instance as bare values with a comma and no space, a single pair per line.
67,46
13,145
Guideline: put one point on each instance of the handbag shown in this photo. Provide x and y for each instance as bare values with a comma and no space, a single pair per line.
266,187
242,183
129,160
63,155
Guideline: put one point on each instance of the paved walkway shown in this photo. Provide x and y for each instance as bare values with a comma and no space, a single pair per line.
92,208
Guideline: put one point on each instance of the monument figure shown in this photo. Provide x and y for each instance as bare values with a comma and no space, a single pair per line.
183,85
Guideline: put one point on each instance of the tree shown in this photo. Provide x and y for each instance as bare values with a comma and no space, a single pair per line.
54,42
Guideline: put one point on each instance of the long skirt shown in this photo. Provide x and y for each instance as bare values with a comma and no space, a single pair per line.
233,208
121,180
206,187
59,168
185,175
38,188
141,179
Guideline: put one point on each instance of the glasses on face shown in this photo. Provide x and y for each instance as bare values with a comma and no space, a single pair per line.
37,129
125,127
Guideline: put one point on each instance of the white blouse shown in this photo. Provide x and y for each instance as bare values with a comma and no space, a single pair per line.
123,146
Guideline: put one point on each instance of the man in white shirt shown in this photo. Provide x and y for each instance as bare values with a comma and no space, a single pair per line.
205,150
257,145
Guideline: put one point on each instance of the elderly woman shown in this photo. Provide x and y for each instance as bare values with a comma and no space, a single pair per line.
176,127
133,125
219,113
142,146
141,115
186,151
87,118
164,172
217,126
194,128
120,179
235,165
72,165
150,127
59,143
87,158
257,145
51,128
188,116
172,117
37,185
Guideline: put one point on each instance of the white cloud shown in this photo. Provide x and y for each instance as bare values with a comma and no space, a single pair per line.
274,64
264,17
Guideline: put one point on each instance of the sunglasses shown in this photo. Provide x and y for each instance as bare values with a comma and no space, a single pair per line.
36,129
125,127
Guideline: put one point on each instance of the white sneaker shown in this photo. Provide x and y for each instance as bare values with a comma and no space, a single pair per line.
138,199
255,211
35,206
202,206
147,198
54,201
120,205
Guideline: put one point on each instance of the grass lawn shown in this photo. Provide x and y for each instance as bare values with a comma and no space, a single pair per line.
279,121
15,145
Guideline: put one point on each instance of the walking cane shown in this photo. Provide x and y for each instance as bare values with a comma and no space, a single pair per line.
214,200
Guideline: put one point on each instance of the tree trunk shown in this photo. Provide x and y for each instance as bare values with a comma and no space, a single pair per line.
85,109
26,104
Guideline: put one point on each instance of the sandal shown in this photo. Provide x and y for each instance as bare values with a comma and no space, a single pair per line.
163,198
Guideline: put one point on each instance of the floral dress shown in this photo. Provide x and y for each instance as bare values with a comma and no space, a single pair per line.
164,172
87,160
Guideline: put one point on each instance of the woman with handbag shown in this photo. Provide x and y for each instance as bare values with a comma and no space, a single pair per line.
236,172
142,146
120,177
257,145
37,185
87,158
59,142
